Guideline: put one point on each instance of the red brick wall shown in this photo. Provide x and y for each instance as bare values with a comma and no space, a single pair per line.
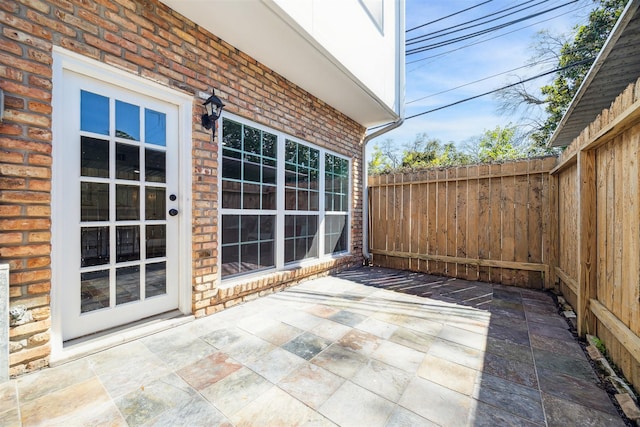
148,39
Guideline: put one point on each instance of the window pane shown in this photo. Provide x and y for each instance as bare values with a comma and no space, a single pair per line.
155,280
290,199
231,194
94,160
127,162
269,145
155,167
127,243
155,203
156,237
155,127
230,229
252,169
303,200
268,197
230,260
94,113
251,196
232,134
249,257
267,224
95,201
127,284
127,202
291,152
94,290
231,168
335,234
127,121
251,140
94,243
267,258
249,228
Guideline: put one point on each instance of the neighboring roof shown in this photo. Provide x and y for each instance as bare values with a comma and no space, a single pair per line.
617,65
278,42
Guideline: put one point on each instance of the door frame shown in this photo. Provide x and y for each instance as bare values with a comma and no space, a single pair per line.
67,61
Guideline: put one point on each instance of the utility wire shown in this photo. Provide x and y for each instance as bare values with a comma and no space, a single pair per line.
489,39
436,34
584,61
448,16
481,80
485,31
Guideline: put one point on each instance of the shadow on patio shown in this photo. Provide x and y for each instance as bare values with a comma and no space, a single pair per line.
364,347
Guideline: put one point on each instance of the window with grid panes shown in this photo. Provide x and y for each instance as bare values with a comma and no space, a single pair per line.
272,200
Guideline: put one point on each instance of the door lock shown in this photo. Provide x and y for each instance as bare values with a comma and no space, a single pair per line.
173,212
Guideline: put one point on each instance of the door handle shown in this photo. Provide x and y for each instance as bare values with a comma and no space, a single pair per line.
173,212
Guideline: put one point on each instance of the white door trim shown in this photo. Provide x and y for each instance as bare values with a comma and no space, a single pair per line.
64,60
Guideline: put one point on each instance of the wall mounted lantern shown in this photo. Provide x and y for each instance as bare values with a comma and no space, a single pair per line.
214,107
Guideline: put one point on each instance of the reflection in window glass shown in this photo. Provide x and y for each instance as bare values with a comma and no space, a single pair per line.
155,280
301,177
127,162
94,244
94,290
127,202
128,243
155,127
94,201
155,166
127,121
94,158
247,243
300,237
155,203
156,236
335,234
94,113
127,284
336,188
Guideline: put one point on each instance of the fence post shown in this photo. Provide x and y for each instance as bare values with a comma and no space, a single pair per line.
552,262
587,261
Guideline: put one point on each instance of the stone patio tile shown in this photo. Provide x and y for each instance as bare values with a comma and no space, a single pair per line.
71,405
322,310
277,408
248,348
511,334
490,416
348,318
146,403
577,367
426,323
543,330
279,333
518,400
509,369
382,379
195,412
10,417
412,339
257,322
377,327
352,405
276,364
330,330
539,307
311,384
448,374
509,350
223,338
401,417
40,383
546,319
208,370
306,345
562,413
399,356
301,320
436,403
178,347
236,390
340,360
505,293
460,354
127,367
461,336
569,348
360,341
576,390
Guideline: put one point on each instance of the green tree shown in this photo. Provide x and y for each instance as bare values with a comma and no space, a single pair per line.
498,144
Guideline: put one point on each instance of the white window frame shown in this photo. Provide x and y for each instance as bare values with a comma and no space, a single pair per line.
280,210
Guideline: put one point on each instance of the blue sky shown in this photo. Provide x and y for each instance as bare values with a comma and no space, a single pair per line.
512,49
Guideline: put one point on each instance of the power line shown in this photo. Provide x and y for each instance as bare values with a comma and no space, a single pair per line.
584,61
448,16
485,31
491,38
423,37
480,80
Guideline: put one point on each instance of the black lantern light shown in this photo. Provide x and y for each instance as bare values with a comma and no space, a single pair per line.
214,108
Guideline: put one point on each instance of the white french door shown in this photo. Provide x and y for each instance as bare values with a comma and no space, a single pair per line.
118,206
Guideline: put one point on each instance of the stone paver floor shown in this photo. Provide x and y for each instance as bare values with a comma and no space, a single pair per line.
365,347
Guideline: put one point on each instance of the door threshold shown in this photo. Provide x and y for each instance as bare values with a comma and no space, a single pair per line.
80,347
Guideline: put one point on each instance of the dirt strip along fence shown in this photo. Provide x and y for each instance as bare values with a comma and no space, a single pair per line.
598,212
486,222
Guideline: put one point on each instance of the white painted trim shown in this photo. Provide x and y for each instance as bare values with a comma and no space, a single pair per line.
65,60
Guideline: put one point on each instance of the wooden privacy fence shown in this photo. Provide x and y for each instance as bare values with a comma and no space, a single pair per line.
485,222
598,211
